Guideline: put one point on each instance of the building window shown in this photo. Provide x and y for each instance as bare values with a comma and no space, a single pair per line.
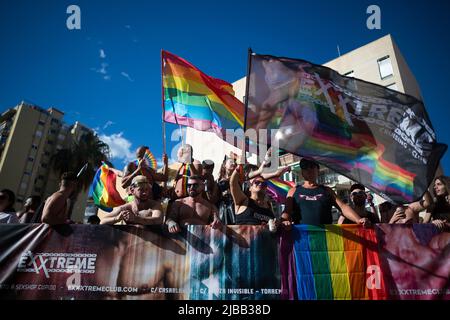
23,185
50,142
47,153
385,67
37,189
43,165
61,137
27,173
33,146
20,200
40,177
38,134
350,74
31,159
52,131
392,86
41,122
55,121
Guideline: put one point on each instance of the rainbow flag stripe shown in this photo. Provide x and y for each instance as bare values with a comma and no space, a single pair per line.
332,263
104,191
278,189
192,98
149,159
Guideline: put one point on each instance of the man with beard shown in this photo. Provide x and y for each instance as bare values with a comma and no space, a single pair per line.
358,198
142,210
193,209
57,205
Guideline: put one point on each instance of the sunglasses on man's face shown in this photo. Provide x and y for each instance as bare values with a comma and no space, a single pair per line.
140,184
358,193
260,183
193,185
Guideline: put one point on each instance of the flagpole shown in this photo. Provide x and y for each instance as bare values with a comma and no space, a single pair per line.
247,84
162,104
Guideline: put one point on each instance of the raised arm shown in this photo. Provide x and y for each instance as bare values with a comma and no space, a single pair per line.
129,173
238,195
163,177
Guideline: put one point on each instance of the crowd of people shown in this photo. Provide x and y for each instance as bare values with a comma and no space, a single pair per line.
238,197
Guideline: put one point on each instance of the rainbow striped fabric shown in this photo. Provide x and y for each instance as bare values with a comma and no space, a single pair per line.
335,263
361,130
104,191
192,98
278,189
149,159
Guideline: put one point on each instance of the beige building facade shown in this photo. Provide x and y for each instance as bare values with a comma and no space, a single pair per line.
29,137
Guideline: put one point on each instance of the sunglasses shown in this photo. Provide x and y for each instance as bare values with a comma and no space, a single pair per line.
358,193
260,183
192,185
140,184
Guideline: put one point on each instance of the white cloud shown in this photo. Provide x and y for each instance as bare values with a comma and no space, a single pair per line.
126,75
119,146
102,54
108,124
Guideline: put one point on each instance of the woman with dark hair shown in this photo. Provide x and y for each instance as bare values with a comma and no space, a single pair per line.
225,204
438,212
252,208
7,211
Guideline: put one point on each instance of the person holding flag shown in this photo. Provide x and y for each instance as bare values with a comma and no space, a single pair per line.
145,165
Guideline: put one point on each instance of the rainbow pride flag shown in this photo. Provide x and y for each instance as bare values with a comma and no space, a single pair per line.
378,137
149,159
278,189
337,263
104,191
192,98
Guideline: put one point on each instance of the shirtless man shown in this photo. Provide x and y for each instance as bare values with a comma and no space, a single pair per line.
142,210
193,209
132,170
185,158
56,206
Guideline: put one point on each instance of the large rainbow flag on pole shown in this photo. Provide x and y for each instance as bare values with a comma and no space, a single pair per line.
192,98
104,191
374,135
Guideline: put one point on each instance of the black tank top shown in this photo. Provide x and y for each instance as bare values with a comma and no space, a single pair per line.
254,214
312,206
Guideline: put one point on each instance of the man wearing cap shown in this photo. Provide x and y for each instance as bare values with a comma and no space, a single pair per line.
193,209
358,196
56,208
311,203
142,210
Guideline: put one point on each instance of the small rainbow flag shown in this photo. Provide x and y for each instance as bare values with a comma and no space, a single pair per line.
104,191
149,159
194,99
278,189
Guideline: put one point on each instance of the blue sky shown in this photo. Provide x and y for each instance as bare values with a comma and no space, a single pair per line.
108,74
